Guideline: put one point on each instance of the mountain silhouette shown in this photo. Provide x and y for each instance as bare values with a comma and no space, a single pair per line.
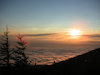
85,64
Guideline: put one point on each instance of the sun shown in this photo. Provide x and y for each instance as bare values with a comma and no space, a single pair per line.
75,32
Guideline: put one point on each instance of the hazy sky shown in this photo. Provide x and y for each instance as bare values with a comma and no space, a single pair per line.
46,16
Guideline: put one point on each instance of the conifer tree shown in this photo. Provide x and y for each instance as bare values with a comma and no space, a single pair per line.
20,57
5,49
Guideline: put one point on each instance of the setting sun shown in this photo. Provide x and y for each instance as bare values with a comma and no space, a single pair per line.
75,32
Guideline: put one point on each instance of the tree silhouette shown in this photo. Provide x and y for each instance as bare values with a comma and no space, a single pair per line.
20,57
5,49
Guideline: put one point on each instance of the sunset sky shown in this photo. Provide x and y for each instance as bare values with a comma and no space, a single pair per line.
50,16
54,29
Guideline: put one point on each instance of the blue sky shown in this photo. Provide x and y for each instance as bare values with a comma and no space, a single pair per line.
46,16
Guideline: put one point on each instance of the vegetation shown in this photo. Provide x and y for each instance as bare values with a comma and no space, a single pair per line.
17,55
20,57
5,49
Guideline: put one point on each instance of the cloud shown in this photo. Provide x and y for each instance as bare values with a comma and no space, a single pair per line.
45,34
97,35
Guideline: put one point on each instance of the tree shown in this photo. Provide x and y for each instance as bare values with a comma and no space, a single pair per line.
20,57
5,49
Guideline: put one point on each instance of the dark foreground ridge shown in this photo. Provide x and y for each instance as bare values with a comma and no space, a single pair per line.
86,64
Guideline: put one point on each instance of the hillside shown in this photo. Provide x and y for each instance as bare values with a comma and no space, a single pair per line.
85,64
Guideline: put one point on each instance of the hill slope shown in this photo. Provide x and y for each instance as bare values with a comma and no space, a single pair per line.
86,64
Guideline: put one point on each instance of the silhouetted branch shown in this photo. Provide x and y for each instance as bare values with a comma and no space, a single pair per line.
5,49
20,57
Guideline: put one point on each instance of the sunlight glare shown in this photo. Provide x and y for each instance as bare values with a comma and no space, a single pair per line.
75,32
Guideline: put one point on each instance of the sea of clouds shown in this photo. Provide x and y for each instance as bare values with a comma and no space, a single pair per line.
47,48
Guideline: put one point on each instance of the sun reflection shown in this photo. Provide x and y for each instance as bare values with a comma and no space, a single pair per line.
75,36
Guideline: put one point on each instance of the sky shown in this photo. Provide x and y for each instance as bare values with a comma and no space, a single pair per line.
45,23
50,16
